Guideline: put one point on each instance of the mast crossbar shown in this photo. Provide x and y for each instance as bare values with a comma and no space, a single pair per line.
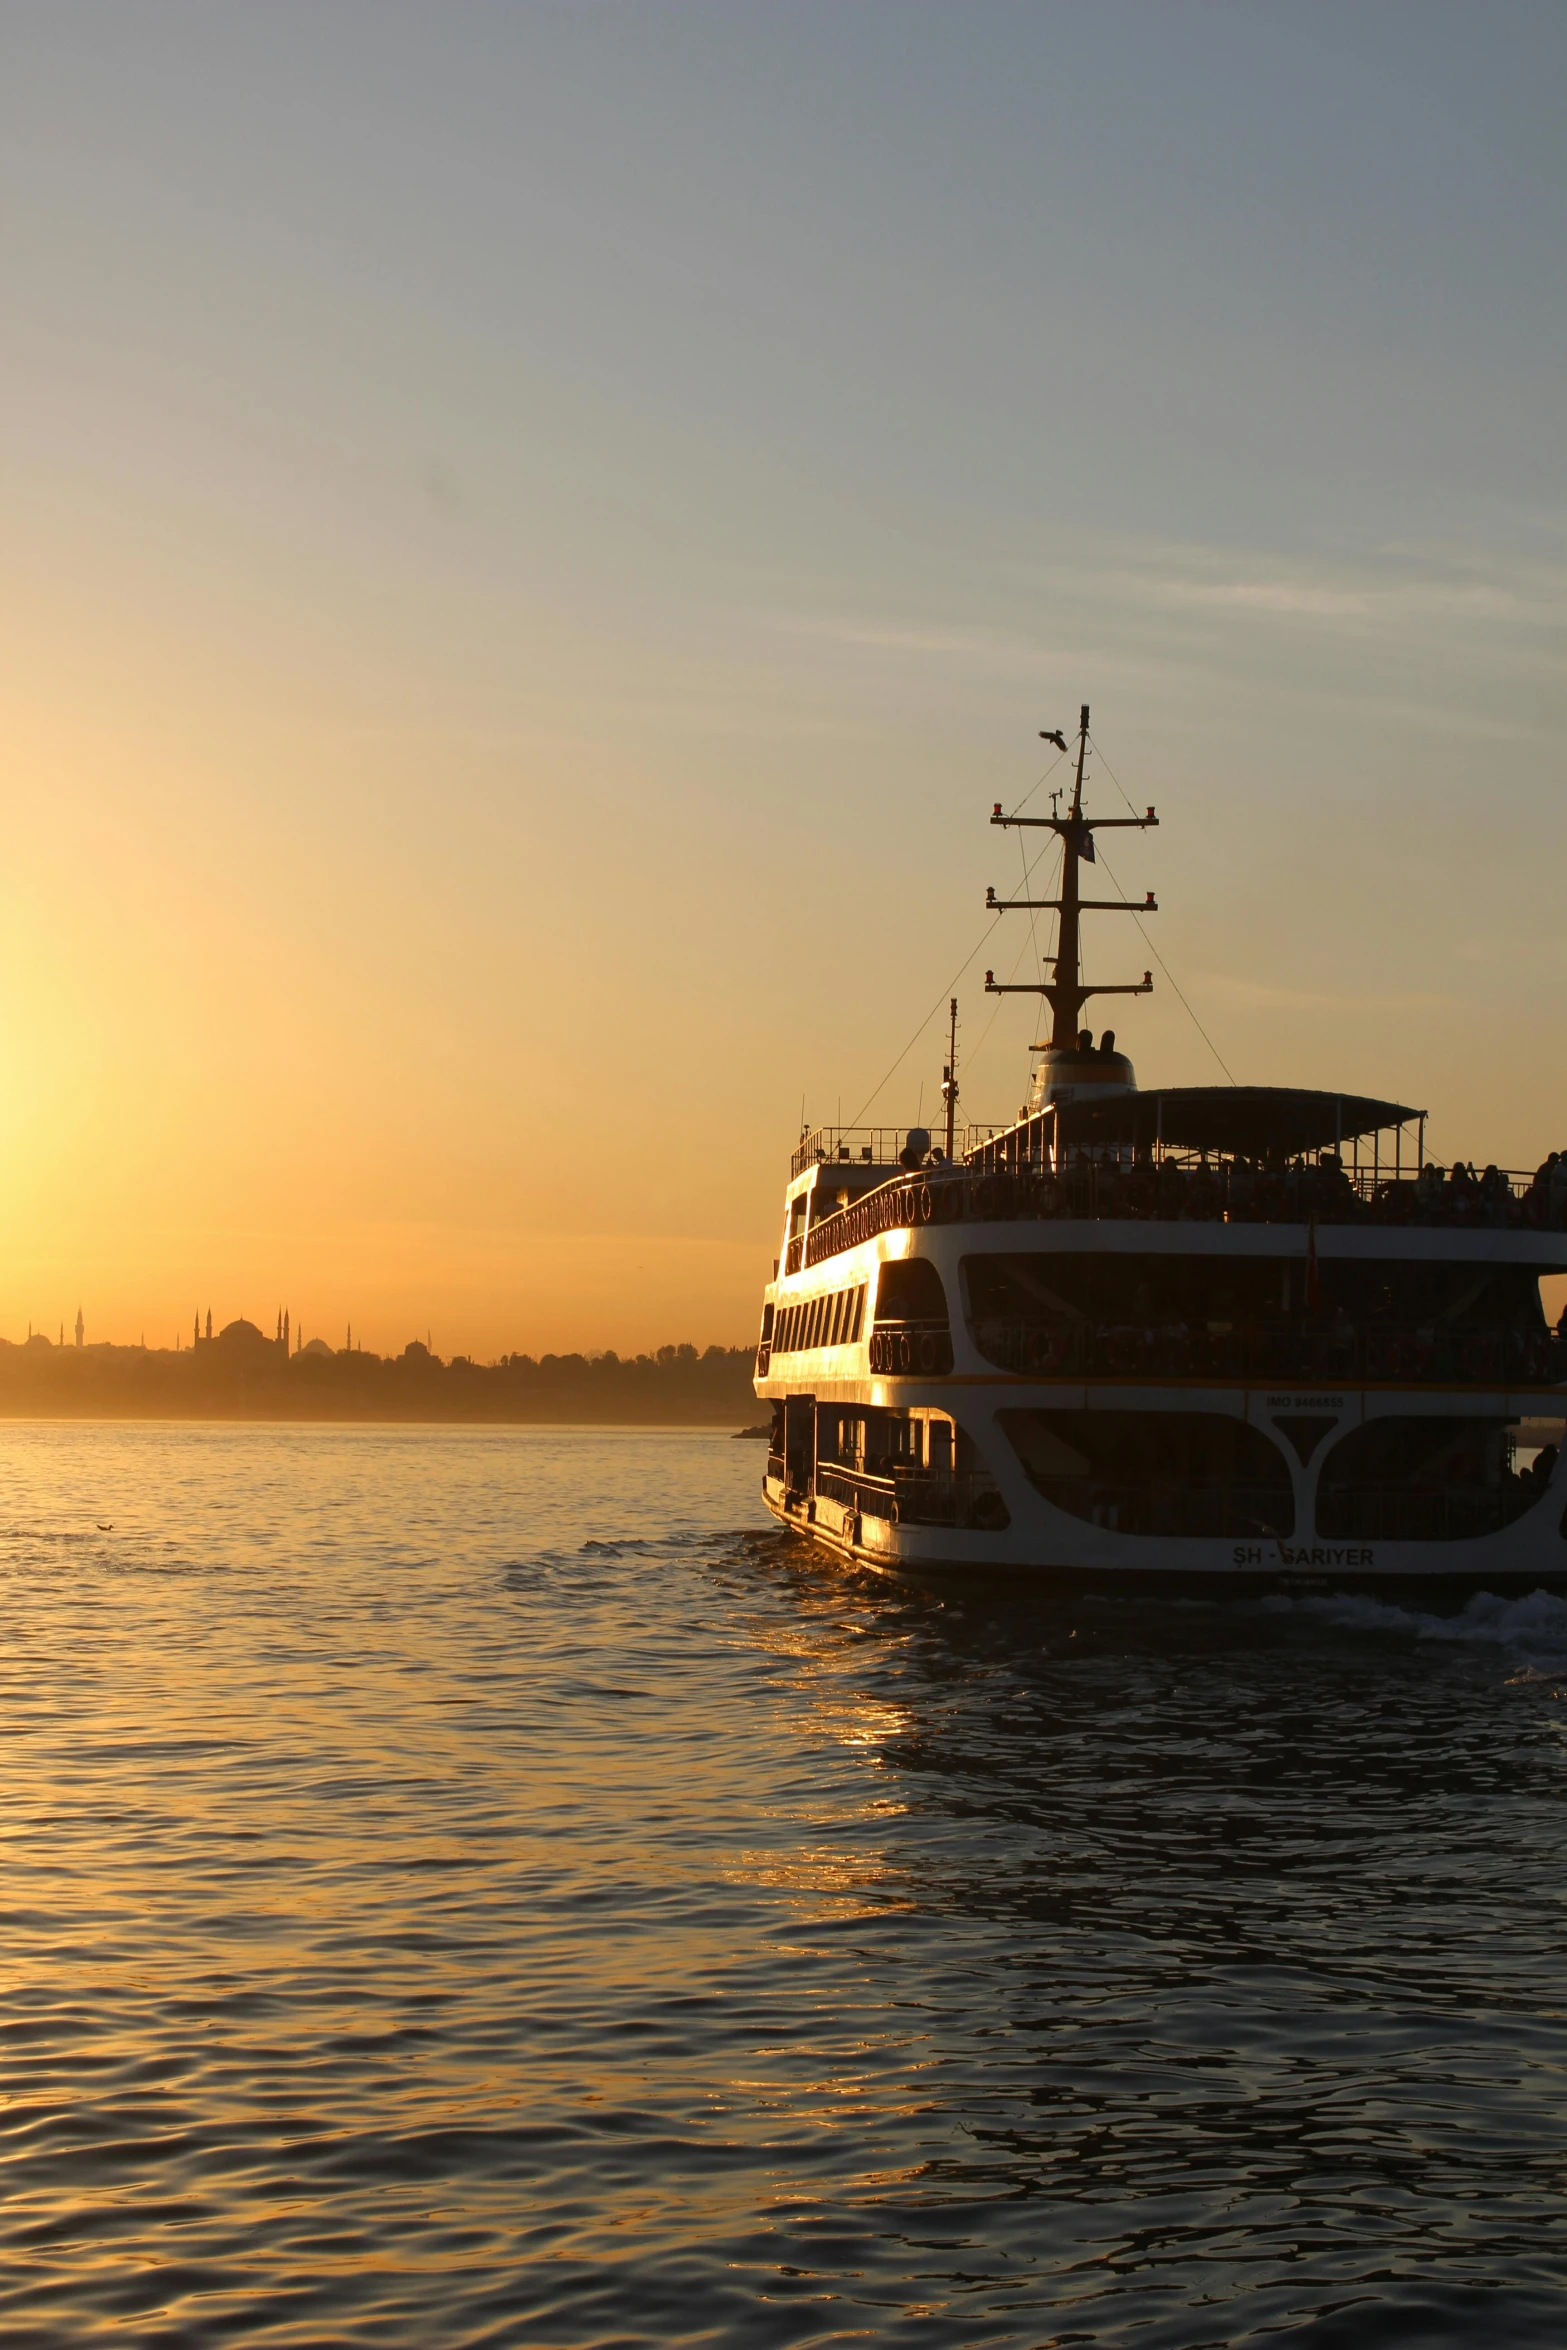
1147,905
1077,823
1046,987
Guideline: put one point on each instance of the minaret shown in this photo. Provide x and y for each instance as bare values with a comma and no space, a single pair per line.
285,1329
195,1327
81,1327
209,1321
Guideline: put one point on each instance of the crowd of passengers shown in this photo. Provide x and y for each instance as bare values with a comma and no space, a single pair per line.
1334,1349
1253,1191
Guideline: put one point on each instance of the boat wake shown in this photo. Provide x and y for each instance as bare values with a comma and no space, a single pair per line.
1532,1628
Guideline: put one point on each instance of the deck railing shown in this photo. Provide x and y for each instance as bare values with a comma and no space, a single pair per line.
915,1497
911,1349
1176,1193
1211,1512
1379,1353
850,1147
1402,1513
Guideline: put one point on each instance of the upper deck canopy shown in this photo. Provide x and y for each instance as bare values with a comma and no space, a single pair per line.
1248,1121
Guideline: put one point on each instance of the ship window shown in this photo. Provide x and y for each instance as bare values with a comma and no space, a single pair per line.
910,1291
1055,1313
837,1312
859,1314
1431,1478
767,1323
1066,1289
1169,1473
920,1468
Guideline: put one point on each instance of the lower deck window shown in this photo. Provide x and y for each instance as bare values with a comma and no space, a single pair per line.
917,1468
1171,1473
1426,1478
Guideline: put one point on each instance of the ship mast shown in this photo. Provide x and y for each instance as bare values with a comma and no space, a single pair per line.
949,1076
1065,992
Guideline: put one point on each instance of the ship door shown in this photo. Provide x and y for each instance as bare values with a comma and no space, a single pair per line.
800,1443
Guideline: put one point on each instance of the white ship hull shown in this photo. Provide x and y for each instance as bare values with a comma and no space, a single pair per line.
860,1515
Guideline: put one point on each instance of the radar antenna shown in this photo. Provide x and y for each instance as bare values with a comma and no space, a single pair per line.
1065,992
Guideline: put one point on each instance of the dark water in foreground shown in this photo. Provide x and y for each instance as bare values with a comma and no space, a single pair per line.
481,1887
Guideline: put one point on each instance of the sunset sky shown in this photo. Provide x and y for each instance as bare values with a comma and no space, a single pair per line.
534,536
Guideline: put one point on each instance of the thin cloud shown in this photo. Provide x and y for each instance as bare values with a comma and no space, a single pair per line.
1391,589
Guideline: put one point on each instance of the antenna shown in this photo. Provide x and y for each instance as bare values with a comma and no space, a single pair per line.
1065,992
949,1075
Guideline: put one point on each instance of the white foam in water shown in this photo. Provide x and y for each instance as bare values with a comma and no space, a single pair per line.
1534,1627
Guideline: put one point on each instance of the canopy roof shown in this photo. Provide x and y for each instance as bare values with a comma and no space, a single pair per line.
1257,1121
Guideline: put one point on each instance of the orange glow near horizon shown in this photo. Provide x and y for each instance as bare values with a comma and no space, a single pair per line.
513,634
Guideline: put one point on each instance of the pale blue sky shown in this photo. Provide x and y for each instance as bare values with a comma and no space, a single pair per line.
560,521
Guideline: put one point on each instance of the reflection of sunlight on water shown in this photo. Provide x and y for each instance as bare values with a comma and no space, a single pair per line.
465,1913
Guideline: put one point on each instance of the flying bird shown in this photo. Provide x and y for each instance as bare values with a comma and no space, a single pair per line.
1058,738
103,1529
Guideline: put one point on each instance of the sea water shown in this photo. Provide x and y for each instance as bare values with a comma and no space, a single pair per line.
488,1887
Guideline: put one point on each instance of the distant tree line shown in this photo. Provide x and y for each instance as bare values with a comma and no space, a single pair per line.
249,1377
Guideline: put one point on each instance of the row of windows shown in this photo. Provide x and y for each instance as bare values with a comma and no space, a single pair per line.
834,1320
1430,1478
1419,1479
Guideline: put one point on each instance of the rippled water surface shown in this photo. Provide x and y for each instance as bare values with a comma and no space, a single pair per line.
485,1887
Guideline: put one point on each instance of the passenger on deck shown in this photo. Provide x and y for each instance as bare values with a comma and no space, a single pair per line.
1558,1192
1495,1196
1539,1472
1534,1208
1460,1200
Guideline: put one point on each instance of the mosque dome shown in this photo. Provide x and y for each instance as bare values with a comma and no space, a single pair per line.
315,1346
241,1334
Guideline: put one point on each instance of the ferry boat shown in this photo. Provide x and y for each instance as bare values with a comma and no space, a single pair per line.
1223,1338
